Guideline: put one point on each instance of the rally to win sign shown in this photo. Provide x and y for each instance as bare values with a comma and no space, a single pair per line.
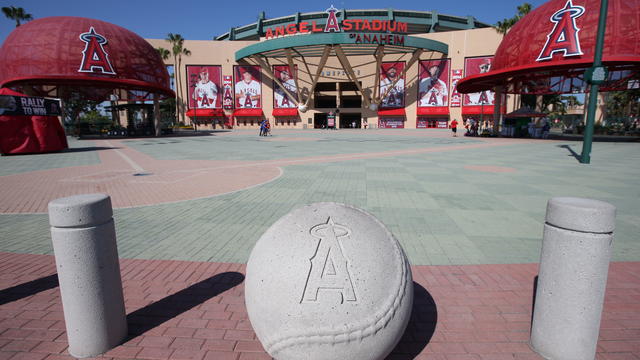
24,105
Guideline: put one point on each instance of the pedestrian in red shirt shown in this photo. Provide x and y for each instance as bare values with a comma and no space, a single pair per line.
454,127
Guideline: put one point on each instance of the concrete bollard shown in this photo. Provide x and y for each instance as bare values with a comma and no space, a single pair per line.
84,243
576,249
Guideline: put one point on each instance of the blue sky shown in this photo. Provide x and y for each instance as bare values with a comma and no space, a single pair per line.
202,20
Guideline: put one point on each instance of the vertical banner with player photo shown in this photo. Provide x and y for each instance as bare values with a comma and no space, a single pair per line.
287,77
203,82
474,66
248,86
227,92
389,73
456,98
433,83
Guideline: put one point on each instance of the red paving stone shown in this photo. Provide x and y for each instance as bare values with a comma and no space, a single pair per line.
473,312
31,192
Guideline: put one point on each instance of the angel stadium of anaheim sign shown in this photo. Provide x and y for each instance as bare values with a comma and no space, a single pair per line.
333,25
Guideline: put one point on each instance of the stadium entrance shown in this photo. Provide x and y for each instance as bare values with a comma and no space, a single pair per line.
346,71
350,120
320,120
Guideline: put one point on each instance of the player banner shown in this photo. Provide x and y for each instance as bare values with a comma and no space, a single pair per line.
474,66
434,83
227,92
389,73
203,84
248,86
280,98
456,98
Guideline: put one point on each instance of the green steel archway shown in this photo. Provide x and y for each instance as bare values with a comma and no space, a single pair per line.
313,44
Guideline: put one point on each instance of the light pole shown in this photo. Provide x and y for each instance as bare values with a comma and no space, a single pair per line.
594,76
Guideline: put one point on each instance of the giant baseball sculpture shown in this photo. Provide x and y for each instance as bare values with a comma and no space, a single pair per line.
328,281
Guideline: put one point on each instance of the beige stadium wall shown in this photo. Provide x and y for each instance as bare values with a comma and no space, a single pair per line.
462,44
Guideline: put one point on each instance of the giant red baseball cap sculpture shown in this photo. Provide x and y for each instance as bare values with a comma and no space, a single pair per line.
549,49
50,55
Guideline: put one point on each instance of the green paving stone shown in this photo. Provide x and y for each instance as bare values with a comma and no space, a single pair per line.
453,188
80,153
476,201
497,223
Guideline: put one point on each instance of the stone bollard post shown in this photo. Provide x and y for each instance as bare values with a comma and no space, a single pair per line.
576,249
84,243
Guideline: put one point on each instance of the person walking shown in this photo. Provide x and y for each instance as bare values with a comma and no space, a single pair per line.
263,128
454,127
267,126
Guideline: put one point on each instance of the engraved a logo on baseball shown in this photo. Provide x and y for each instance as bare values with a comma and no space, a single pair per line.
329,268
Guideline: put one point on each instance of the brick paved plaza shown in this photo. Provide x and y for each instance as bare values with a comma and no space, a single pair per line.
468,211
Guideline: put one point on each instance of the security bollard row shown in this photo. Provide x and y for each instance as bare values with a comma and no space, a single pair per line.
576,250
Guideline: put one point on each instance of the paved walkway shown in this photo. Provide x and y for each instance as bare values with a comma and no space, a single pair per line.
468,212
192,310
449,201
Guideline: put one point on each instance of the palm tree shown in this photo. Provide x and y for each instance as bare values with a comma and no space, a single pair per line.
16,13
177,50
503,26
164,53
523,10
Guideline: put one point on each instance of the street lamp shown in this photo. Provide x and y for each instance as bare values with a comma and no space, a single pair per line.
594,76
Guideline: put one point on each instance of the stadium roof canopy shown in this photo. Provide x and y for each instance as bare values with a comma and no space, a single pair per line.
548,50
418,22
57,56
314,44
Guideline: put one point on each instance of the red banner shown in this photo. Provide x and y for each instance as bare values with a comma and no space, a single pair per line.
432,123
248,87
434,83
331,120
203,84
395,122
227,92
389,73
474,66
287,77
456,98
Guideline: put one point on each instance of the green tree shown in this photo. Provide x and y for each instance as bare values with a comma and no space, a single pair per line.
178,50
571,100
553,105
622,105
16,13
503,26
164,53
75,104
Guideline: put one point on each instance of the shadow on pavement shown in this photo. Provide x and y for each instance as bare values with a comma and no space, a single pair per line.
152,315
573,153
87,148
421,327
27,289
533,299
